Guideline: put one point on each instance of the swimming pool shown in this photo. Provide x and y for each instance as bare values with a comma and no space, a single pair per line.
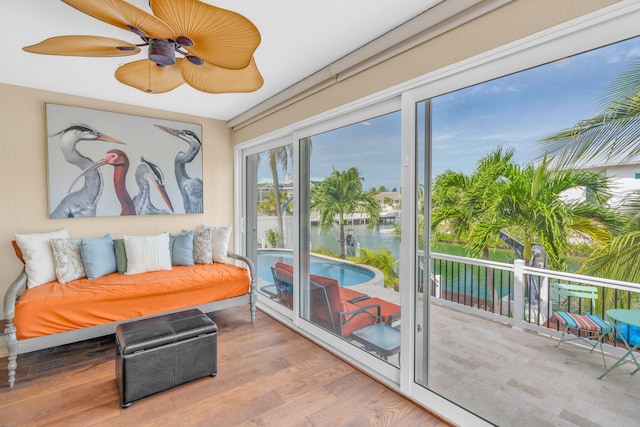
347,274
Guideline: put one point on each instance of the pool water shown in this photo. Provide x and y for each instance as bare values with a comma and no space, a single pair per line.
346,274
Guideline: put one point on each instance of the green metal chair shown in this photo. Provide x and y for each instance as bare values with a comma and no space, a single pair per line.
591,328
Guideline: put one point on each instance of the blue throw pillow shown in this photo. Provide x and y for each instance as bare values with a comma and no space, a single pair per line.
98,256
182,248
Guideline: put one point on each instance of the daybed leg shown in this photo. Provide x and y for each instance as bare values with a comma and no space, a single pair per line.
253,311
12,347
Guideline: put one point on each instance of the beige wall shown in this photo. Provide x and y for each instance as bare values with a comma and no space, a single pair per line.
511,22
23,183
22,127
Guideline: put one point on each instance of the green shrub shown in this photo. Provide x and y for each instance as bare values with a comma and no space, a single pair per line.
383,260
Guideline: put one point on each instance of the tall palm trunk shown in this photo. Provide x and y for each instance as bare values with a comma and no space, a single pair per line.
342,239
276,184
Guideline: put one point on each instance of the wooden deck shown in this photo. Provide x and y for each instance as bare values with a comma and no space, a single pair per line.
268,375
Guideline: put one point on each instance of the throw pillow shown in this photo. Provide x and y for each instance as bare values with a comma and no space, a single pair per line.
147,253
219,241
38,255
98,256
182,248
67,259
121,256
202,252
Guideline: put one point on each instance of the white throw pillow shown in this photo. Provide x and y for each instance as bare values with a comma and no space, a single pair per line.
147,253
38,256
219,241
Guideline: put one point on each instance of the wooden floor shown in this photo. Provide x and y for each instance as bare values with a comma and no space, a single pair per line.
267,375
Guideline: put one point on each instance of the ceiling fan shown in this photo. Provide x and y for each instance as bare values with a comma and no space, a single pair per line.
216,45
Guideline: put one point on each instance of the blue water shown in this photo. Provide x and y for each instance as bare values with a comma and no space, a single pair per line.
345,274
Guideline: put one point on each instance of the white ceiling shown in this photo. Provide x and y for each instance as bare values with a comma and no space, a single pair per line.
299,37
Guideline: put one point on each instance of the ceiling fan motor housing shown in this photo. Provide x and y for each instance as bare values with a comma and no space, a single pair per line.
162,52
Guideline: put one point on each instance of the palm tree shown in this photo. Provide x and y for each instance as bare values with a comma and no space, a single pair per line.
278,157
268,205
341,194
462,201
612,134
533,208
526,201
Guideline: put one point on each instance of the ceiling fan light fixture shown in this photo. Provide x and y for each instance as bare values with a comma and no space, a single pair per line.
195,60
184,41
162,52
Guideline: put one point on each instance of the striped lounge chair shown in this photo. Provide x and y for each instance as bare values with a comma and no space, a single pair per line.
590,328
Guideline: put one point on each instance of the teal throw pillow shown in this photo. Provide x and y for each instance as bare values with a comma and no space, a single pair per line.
182,248
98,256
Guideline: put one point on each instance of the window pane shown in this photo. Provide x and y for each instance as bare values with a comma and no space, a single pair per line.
498,195
354,223
274,222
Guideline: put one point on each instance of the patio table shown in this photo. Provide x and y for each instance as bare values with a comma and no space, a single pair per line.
631,318
380,338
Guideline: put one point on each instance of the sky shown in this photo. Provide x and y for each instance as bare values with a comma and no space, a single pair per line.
514,111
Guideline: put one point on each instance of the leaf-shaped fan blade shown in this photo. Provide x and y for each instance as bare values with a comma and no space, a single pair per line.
123,15
83,46
220,37
212,79
148,77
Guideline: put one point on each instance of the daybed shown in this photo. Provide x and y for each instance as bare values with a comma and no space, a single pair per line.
56,313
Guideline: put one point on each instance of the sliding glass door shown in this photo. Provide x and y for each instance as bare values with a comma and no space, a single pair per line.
354,224
269,213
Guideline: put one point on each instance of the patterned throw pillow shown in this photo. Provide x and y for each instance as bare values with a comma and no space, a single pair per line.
202,252
67,259
219,241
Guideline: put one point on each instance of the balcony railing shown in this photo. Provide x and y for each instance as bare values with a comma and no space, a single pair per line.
519,295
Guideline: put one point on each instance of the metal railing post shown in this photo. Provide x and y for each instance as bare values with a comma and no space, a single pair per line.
518,294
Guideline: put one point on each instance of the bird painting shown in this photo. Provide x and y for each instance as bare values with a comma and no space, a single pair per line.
80,203
190,188
161,163
148,173
120,162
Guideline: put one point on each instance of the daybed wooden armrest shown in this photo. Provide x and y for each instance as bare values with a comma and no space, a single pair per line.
10,299
254,281
11,296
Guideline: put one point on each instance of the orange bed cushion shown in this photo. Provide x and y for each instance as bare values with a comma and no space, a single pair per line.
54,307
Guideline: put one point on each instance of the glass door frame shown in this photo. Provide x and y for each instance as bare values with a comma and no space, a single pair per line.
341,117
609,25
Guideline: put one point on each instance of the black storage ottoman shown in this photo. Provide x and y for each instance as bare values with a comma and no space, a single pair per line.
159,353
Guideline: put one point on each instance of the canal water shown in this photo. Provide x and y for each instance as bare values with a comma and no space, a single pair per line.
383,235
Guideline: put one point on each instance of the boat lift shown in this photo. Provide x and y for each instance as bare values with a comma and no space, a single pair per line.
533,286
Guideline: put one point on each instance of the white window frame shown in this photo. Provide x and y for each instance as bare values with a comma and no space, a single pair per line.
609,25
